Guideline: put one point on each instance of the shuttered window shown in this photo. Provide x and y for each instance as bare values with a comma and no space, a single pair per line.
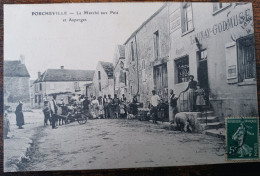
156,44
246,58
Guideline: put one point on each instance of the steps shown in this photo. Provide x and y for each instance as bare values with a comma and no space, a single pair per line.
211,124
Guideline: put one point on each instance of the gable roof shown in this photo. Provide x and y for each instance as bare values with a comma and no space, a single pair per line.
149,19
56,75
15,69
109,69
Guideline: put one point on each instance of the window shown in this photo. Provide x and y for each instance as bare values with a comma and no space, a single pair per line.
40,86
186,15
246,58
182,69
99,85
35,87
132,51
76,86
156,44
99,75
35,99
219,6
39,99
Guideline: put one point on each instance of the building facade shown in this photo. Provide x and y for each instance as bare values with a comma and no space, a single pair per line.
103,80
120,72
16,83
62,82
216,45
147,53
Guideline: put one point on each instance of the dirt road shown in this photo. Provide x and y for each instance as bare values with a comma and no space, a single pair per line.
117,143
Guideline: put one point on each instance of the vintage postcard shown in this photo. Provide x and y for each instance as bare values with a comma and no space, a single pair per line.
128,85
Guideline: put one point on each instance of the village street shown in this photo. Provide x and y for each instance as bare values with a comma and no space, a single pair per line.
114,143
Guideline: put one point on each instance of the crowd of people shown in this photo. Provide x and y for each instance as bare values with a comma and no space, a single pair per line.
107,107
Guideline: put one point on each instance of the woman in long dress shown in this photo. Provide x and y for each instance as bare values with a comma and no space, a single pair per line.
19,115
95,107
192,87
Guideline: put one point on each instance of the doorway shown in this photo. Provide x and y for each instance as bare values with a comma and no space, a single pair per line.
161,81
203,72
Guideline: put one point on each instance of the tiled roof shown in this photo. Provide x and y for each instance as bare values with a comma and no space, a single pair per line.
56,75
109,69
15,69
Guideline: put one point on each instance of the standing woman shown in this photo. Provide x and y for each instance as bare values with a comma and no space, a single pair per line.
19,115
192,87
95,104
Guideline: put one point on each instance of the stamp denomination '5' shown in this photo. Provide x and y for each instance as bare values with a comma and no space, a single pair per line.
242,138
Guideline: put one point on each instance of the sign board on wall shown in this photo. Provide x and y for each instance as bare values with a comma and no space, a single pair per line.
175,20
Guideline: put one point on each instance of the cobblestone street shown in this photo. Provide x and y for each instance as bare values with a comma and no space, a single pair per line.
116,143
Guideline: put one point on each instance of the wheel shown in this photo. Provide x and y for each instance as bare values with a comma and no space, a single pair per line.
82,119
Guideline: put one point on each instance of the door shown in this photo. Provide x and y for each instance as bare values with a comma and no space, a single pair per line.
161,81
203,72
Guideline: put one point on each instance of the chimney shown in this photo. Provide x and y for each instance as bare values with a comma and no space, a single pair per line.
39,74
62,67
22,59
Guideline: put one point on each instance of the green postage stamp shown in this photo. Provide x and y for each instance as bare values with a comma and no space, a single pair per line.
242,138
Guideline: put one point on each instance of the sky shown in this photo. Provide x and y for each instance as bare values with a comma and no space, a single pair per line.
47,42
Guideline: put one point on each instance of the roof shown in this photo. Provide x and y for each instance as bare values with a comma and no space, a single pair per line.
15,69
121,50
149,19
108,67
56,75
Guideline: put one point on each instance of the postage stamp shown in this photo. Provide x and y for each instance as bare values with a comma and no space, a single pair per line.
242,138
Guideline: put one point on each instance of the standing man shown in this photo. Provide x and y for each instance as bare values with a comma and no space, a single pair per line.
173,106
105,104
116,103
155,100
19,115
54,110
110,106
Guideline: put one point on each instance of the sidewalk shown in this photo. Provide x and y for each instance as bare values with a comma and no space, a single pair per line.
16,147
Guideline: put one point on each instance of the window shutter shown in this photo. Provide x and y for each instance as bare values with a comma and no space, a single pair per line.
183,24
231,62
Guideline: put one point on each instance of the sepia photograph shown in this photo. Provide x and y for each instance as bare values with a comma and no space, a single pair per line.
129,85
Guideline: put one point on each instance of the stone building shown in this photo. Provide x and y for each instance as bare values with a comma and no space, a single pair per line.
16,82
147,53
63,82
120,72
103,80
216,45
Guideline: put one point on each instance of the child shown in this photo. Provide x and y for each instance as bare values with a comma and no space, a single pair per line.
200,102
47,112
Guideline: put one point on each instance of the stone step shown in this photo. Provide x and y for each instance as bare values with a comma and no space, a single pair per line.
209,119
220,133
214,125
